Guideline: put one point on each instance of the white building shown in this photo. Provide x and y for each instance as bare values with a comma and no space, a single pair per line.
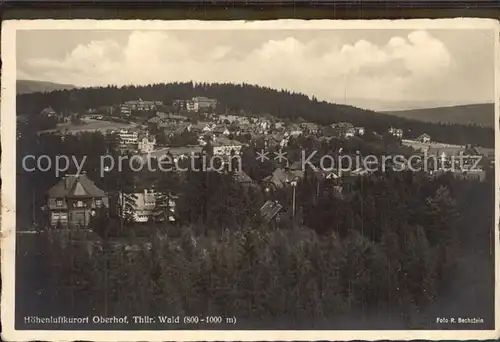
147,144
397,132
349,132
425,138
148,205
128,137
226,147
295,130
360,130
199,103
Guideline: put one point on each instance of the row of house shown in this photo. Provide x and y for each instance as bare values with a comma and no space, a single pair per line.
218,147
75,198
347,130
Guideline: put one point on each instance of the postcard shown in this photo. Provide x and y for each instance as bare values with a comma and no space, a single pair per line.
249,180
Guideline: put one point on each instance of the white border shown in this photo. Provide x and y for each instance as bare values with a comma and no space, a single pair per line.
8,172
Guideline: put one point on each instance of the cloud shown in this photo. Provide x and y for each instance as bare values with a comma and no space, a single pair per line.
402,67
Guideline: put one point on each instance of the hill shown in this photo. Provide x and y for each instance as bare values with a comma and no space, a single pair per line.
475,114
381,105
30,86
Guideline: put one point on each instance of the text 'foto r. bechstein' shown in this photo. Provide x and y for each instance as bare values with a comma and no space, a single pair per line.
252,179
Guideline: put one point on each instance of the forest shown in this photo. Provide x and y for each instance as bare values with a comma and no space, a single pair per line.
395,246
395,243
252,100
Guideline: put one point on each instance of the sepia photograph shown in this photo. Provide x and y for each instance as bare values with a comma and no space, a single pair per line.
261,180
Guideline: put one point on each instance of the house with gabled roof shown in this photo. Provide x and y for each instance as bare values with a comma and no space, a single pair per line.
310,127
74,200
295,130
397,132
48,112
487,154
242,177
203,127
343,125
221,130
424,138
282,177
360,130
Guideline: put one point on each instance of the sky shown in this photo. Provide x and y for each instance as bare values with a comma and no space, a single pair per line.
376,66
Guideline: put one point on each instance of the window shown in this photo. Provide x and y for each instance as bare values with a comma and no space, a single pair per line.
79,204
59,202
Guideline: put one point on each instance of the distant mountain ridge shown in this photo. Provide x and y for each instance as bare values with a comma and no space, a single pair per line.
380,105
473,114
31,86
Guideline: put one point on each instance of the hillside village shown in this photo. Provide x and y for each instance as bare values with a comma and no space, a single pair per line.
193,127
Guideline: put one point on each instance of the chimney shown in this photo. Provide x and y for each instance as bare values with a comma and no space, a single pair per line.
66,182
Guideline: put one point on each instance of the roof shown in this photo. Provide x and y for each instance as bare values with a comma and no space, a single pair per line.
182,128
48,110
323,174
220,129
278,137
296,165
281,177
226,142
170,116
168,126
242,177
270,209
75,186
155,120
295,127
143,102
343,125
309,125
176,151
246,126
232,118
203,98
150,138
489,152
200,125
448,151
